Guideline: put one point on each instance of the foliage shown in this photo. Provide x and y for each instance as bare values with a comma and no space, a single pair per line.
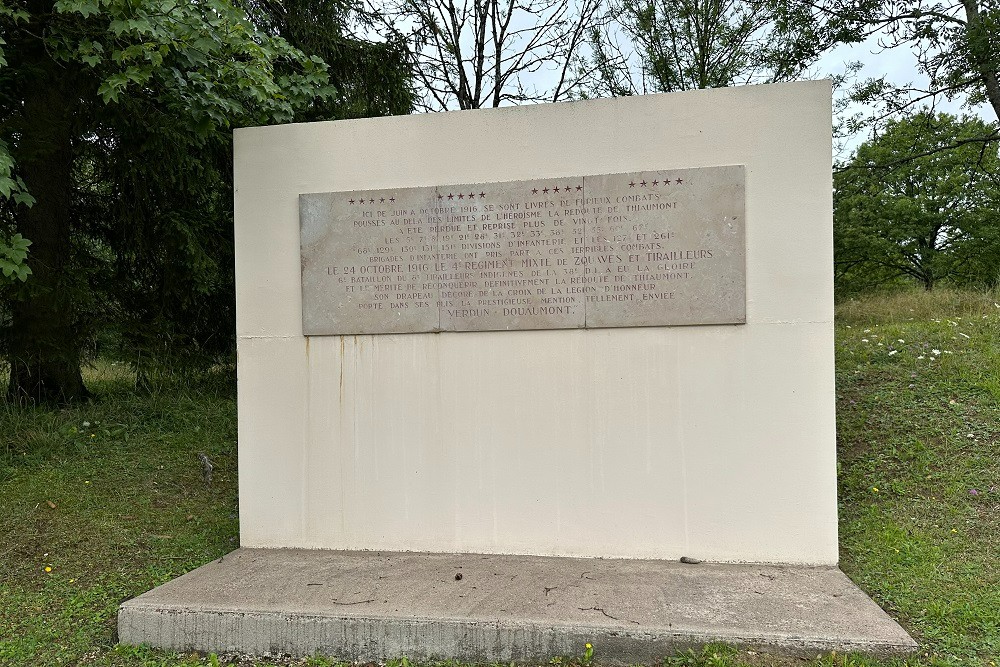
956,46
912,204
369,78
13,258
116,116
669,45
484,53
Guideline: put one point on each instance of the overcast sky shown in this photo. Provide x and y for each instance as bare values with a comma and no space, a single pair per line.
898,64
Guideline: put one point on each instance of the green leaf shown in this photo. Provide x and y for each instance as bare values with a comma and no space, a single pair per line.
24,198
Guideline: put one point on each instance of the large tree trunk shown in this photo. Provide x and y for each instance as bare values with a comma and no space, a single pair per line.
979,47
44,351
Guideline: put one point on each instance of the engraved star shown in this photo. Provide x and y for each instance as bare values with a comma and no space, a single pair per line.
555,189
472,195
579,187
632,184
461,196
371,201
655,183
392,199
482,194
381,200
440,196
642,183
545,190
534,191
679,181
351,200
451,196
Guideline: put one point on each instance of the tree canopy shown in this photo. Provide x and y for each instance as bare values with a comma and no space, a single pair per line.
955,46
115,145
116,118
918,203
668,45
471,54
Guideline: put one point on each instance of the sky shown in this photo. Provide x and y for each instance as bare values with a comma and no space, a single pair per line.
899,65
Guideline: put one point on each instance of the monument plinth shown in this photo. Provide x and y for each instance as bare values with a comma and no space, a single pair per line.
594,330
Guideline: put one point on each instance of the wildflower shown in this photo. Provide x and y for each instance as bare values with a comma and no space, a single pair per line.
868,330
935,352
947,351
971,435
973,492
892,352
864,340
86,424
48,568
93,435
900,340
875,489
588,645
954,530
920,357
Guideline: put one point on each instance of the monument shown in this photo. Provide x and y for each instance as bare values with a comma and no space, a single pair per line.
480,350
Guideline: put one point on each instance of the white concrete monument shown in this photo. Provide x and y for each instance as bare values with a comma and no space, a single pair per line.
431,428
592,329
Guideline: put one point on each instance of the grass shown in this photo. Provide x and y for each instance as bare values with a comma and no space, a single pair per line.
918,388
111,498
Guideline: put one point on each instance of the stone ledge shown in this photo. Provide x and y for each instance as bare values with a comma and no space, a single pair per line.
370,606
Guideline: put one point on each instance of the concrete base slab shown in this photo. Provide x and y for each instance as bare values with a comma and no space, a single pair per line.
369,606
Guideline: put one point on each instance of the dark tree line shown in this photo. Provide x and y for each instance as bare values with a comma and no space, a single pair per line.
116,119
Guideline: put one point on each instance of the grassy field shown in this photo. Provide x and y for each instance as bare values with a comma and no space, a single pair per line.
101,502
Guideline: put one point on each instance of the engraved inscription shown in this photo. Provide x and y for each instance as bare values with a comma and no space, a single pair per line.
648,248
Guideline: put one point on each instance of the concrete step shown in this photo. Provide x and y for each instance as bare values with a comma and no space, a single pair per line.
370,606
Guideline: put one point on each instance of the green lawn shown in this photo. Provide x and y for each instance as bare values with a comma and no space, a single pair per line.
101,502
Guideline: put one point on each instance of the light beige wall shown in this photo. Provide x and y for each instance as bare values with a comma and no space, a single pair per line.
716,442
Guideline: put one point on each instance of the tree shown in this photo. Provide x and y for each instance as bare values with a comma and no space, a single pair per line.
668,45
929,218
370,78
956,46
115,114
470,54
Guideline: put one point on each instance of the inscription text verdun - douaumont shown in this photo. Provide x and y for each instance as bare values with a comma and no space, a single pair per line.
651,248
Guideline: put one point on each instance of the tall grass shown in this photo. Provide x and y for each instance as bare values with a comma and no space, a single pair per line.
917,305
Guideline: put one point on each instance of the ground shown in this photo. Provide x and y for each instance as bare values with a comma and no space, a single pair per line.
103,501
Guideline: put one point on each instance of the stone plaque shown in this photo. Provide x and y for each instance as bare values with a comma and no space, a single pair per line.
653,248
